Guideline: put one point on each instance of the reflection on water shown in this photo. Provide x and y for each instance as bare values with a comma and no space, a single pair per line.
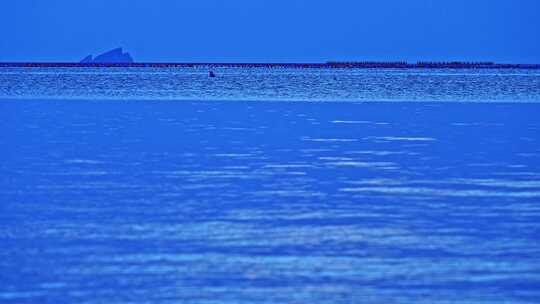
269,202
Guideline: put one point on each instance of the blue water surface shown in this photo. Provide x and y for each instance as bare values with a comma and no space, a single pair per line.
258,201
261,84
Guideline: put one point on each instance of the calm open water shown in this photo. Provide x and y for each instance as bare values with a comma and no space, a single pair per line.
258,200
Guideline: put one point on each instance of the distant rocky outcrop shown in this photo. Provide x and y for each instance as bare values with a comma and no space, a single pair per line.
113,56
88,59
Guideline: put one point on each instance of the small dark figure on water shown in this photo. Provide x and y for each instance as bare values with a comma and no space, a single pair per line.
211,74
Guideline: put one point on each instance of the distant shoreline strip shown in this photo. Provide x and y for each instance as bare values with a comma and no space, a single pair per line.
337,65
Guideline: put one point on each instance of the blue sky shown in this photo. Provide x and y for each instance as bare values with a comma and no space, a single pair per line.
272,30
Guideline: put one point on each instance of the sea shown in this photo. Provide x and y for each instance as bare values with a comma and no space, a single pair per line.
163,185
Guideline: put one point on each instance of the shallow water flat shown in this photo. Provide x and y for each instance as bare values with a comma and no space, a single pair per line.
269,202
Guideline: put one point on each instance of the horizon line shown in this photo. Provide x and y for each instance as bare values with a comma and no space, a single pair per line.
327,64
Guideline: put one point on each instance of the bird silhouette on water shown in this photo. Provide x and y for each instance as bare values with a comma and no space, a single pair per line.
211,74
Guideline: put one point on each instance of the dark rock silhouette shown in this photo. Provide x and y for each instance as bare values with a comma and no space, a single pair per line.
113,56
88,59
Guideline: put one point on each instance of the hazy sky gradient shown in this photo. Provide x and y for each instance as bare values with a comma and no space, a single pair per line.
272,30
